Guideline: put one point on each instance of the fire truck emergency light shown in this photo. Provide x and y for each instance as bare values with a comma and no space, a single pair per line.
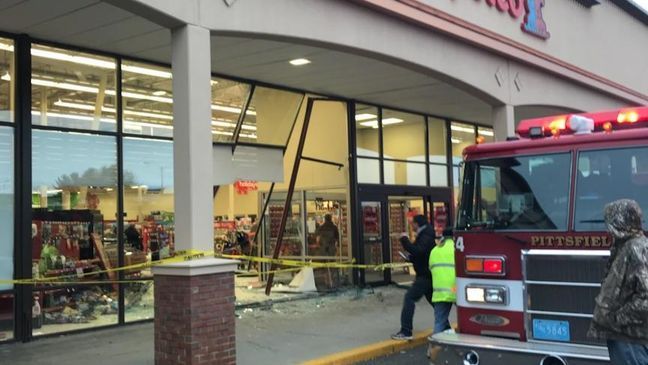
606,121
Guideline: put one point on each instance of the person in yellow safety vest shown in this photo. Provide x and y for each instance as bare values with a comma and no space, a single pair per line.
444,283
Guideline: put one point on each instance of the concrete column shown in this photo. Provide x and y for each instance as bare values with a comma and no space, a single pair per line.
504,122
192,139
194,300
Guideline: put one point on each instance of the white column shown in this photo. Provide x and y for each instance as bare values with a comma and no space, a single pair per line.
192,147
504,122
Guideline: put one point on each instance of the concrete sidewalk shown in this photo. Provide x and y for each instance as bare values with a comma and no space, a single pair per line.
285,333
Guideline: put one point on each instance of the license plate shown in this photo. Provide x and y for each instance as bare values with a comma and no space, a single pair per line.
544,329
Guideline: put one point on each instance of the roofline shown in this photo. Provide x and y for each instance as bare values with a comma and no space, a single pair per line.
632,8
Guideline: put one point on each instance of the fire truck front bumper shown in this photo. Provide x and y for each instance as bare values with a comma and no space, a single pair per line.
456,348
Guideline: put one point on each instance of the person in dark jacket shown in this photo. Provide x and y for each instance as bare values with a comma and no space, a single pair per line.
328,236
621,311
419,254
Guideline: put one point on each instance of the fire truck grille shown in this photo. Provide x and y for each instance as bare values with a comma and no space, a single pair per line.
569,299
577,269
561,288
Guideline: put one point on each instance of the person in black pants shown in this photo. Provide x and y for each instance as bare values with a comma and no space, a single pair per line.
419,254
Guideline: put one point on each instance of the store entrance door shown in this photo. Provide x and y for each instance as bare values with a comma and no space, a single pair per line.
385,217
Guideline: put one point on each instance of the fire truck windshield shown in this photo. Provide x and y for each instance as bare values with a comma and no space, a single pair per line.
516,193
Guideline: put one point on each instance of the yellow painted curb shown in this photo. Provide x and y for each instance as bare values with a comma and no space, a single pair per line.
372,351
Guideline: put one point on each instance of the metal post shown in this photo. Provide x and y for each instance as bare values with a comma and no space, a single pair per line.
291,190
23,189
239,123
120,187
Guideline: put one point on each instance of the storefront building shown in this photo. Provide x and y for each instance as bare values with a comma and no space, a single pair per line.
391,97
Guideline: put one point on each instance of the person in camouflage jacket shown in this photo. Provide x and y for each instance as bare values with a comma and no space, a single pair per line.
621,311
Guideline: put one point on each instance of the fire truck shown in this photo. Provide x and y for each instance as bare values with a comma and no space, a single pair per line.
531,243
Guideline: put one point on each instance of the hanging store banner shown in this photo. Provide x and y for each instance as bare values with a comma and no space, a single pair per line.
247,163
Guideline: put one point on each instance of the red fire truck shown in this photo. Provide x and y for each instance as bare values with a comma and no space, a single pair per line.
531,243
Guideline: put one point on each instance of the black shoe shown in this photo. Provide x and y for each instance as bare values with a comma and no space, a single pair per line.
401,336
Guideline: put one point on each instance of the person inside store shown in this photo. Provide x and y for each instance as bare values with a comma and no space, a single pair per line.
133,237
419,255
444,283
328,236
621,308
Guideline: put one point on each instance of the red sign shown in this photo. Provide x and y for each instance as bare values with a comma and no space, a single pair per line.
533,23
244,186
230,225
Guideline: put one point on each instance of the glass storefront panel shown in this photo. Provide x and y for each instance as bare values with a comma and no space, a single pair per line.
6,231
463,135
437,141
73,89
438,175
403,136
367,132
368,171
404,173
270,116
228,99
372,244
147,99
327,223
6,205
7,95
487,134
139,301
73,214
148,217
293,238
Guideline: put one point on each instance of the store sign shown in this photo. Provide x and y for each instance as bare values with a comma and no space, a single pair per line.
245,186
532,23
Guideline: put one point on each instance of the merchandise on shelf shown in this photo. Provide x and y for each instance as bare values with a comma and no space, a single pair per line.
292,239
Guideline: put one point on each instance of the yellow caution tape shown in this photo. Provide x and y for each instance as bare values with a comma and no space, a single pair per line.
188,255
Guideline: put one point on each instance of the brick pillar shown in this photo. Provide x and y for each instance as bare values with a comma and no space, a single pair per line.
194,313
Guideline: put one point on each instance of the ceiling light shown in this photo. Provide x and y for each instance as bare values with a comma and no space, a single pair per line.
74,59
95,62
127,94
223,133
455,141
213,82
386,121
74,116
457,128
147,71
91,107
364,116
486,132
67,86
300,62
6,76
132,123
218,123
6,47
149,115
161,99
159,93
252,136
249,127
231,109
